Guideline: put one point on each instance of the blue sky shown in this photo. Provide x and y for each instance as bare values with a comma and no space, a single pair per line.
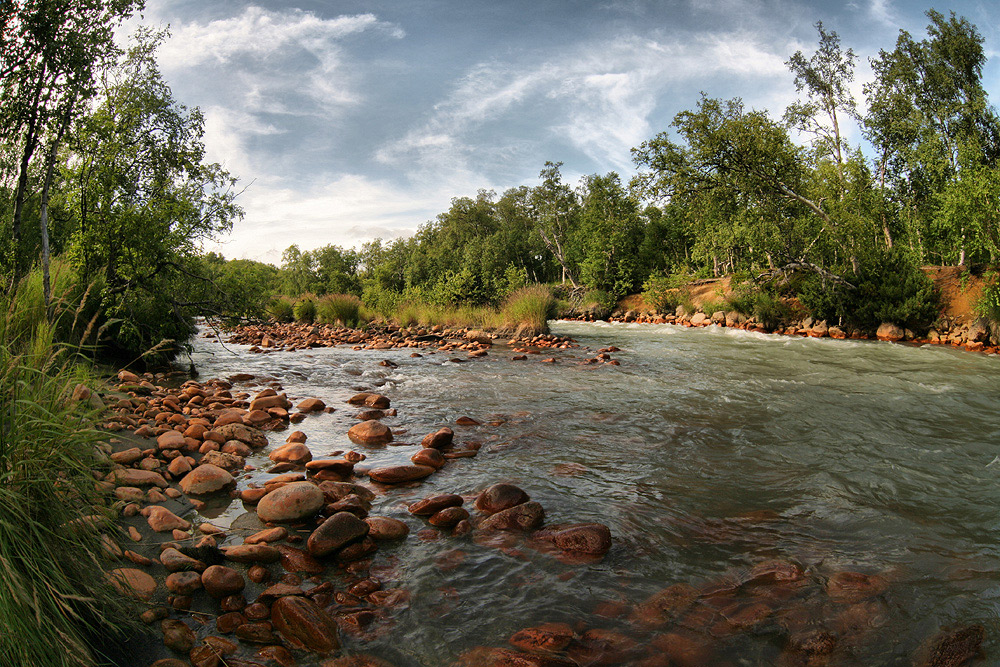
355,120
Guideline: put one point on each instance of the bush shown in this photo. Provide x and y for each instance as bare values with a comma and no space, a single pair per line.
988,305
764,305
598,303
529,308
663,293
344,309
54,593
304,309
888,287
280,309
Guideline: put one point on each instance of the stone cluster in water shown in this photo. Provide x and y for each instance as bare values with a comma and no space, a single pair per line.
313,519
304,573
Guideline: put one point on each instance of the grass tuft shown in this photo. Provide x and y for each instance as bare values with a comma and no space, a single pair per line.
342,309
54,593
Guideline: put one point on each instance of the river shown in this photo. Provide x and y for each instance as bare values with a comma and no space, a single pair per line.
706,452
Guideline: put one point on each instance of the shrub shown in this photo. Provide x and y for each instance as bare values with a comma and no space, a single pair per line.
988,305
280,309
53,590
304,309
888,287
529,308
344,309
663,293
764,305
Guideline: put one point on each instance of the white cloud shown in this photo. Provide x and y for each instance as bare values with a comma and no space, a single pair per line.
599,97
260,33
882,11
289,61
343,209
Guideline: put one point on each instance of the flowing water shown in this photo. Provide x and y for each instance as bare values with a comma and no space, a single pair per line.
707,451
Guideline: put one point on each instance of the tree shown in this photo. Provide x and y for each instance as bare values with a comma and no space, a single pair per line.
556,211
145,199
825,79
935,132
49,53
612,234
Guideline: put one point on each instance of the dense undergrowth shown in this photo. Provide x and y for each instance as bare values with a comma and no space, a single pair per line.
54,595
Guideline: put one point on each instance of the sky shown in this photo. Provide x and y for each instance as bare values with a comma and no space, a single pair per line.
347,120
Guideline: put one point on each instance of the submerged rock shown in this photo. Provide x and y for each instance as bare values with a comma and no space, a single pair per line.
500,497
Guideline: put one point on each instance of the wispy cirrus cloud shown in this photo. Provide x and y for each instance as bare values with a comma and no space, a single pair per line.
599,98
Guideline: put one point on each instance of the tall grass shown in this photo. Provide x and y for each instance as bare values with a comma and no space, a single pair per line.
305,308
280,309
53,590
529,309
526,310
343,309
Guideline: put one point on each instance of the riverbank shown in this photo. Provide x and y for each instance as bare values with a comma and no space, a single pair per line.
958,324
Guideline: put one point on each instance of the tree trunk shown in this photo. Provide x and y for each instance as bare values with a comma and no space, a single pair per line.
50,168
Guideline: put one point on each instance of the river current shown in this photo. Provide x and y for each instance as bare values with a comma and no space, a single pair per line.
706,452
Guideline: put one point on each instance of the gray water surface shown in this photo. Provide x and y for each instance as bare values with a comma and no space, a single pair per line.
705,452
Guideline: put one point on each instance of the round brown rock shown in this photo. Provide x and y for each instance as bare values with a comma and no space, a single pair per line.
526,516
370,432
593,539
183,583
206,478
435,504
340,529
220,581
439,439
399,474
292,502
448,517
428,457
304,625
500,497
133,582
386,528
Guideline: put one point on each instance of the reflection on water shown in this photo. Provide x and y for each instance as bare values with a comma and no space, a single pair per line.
707,453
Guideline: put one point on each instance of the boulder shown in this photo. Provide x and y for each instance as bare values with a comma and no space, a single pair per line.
500,497
226,460
304,625
448,517
428,457
386,528
370,432
399,474
855,586
294,452
370,400
592,539
292,502
545,638
206,478
890,332
337,531
245,434
135,477
170,440
440,439
526,516
252,553
311,405
132,582
220,581
435,504
162,520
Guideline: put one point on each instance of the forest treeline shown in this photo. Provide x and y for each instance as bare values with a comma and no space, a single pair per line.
786,202
105,170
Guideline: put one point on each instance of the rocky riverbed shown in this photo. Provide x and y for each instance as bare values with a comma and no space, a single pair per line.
252,540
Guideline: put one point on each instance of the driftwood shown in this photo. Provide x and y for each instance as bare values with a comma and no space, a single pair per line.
792,267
